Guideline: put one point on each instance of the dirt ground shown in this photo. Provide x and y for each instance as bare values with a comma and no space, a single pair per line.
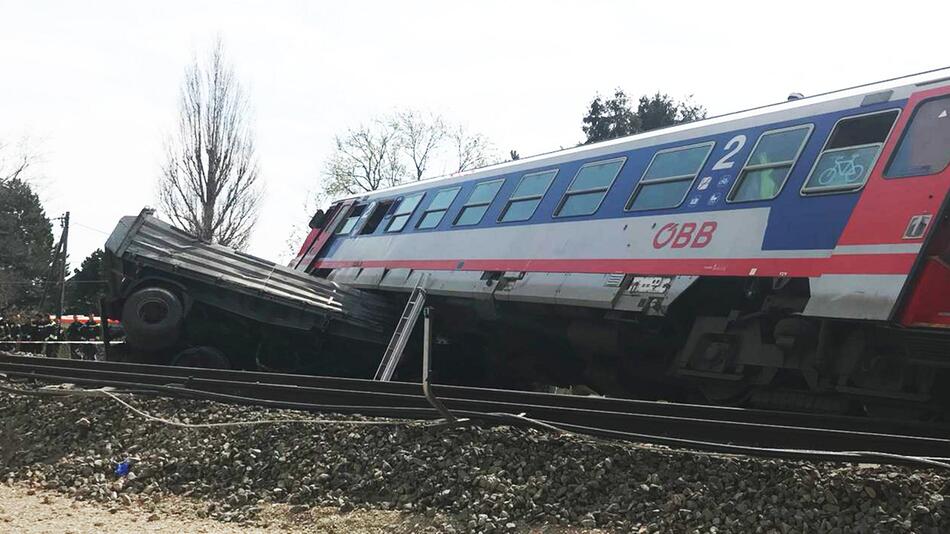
24,510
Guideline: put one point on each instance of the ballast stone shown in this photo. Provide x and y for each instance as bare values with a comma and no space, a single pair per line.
471,479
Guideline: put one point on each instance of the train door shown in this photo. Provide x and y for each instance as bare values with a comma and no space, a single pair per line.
899,225
924,151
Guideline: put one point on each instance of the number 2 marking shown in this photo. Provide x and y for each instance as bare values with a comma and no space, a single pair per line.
736,143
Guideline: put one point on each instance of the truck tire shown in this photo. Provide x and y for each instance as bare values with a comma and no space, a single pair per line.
202,356
152,318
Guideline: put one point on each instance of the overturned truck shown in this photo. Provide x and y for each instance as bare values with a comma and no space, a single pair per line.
185,302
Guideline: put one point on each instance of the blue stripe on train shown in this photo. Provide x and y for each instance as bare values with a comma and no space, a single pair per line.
795,222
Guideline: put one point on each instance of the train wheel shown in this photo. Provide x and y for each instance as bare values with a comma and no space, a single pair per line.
202,356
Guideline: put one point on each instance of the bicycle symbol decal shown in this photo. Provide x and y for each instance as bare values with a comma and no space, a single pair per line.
845,170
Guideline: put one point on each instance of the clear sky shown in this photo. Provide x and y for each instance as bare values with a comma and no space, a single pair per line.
95,84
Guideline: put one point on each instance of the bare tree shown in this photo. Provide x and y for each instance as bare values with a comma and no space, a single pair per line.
421,137
366,159
472,150
209,183
394,149
15,161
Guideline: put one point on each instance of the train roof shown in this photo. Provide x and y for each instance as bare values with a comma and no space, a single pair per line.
881,91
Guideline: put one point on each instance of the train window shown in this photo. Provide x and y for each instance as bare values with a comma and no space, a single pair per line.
433,214
347,226
403,212
376,217
925,146
524,201
366,215
850,153
669,177
589,187
351,220
478,202
769,164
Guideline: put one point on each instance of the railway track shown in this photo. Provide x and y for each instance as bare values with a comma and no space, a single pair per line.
710,428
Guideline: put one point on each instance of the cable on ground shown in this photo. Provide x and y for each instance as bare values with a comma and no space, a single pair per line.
106,392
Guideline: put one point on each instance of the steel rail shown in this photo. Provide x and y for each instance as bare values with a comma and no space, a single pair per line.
699,411
667,426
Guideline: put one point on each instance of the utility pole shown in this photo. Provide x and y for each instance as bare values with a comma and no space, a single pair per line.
62,274
55,270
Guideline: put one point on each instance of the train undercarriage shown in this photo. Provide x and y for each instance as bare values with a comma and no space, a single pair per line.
731,341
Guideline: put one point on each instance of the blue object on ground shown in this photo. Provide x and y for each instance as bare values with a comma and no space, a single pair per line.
122,468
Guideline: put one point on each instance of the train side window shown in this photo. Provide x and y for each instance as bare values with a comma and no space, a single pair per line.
925,146
478,202
367,214
351,219
376,217
764,174
433,214
403,211
526,197
669,177
850,153
589,187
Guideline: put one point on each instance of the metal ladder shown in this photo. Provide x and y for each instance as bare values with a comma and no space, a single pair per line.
387,366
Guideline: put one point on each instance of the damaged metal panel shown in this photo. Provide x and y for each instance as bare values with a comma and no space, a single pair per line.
240,283
854,296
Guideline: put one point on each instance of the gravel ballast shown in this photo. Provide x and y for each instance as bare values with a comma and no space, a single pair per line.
497,479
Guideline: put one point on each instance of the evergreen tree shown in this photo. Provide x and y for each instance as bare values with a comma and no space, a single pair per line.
614,117
609,119
661,110
26,243
86,285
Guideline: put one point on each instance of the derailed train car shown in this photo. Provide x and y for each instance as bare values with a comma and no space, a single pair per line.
794,255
